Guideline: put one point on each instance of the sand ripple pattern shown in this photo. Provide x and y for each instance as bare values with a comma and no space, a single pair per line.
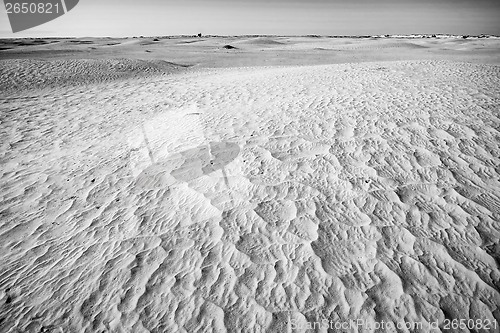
25,74
341,192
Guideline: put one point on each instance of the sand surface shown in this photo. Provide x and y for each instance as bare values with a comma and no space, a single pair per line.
155,192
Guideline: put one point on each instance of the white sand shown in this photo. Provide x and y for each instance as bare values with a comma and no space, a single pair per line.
252,199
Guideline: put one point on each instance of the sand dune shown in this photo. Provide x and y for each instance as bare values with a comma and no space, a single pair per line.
256,51
257,199
26,74
262,41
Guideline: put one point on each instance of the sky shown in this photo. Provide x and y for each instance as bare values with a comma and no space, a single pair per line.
127,18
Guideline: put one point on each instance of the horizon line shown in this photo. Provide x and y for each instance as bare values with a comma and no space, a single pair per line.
427,35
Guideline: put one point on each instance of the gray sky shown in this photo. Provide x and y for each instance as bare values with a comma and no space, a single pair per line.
279,17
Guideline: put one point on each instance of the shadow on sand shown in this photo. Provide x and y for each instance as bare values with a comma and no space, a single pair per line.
188,165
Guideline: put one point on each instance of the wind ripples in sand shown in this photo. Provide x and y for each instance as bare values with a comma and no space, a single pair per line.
341,192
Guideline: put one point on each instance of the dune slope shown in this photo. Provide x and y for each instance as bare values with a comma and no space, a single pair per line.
253,200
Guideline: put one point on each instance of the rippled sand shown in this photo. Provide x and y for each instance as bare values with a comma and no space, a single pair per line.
252,199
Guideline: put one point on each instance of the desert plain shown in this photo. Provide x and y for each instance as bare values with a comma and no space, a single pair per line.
250,184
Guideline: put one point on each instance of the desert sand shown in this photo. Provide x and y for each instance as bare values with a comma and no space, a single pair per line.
249,184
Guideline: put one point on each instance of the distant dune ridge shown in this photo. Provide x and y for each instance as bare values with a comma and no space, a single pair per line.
149,193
